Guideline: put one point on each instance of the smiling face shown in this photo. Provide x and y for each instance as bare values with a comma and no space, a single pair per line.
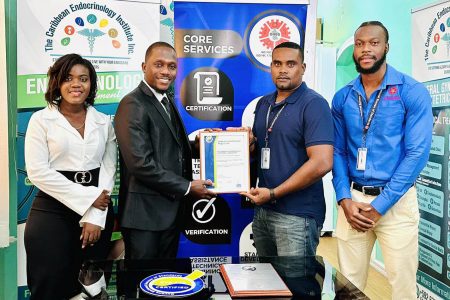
287,69
370,49
160,68
76,86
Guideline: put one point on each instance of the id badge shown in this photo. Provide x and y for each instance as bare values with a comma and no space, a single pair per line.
265,158
361,159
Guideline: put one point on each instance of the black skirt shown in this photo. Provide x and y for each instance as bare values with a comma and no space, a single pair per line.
53,247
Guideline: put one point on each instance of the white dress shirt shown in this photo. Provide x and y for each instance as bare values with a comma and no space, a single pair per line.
158,95
52,144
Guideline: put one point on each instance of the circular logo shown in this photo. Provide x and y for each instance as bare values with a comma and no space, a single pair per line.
172,284
249,268
203,210
208,81
209,139
266,31
393,90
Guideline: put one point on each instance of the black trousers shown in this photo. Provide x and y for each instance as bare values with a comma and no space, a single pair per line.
147,244
53,247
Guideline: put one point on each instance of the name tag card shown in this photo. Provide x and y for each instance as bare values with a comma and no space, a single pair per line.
361,159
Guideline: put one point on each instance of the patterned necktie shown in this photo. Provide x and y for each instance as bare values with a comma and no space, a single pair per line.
166,104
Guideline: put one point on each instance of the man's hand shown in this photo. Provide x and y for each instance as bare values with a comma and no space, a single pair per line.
372,214
102,201
353,212
90,234
251,137
199,191
258,196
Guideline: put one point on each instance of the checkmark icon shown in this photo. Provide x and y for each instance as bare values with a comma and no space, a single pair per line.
201,212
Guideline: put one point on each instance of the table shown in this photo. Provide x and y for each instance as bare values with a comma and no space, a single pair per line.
307,278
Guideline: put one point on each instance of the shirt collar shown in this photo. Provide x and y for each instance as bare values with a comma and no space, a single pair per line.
158,95
51,112
292,97
391,77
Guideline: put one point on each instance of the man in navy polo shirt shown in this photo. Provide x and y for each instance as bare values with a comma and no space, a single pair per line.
294,148
383,126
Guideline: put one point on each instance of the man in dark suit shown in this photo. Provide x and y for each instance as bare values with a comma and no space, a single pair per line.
155,161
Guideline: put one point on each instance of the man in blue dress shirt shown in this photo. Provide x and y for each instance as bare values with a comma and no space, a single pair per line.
383,126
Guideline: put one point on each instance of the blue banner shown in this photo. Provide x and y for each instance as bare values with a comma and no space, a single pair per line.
224,52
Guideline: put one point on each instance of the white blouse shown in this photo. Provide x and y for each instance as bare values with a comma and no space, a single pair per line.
52,144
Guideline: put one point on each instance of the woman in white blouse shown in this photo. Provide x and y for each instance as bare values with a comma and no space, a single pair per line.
70,155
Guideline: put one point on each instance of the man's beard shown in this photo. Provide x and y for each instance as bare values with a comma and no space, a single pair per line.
283,87
376,66
287,87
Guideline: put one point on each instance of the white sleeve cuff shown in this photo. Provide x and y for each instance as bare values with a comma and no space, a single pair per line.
94,216
189,189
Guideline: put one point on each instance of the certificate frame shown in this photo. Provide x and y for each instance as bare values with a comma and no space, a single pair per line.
225,160
240,281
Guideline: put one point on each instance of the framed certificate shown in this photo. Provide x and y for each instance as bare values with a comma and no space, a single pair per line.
225,160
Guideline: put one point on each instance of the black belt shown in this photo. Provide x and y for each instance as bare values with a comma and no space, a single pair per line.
45,202
367,189
86,178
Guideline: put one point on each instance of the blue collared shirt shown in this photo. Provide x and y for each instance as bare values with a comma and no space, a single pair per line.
304,122
398,141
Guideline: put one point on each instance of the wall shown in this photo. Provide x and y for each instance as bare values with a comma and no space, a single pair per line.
342,17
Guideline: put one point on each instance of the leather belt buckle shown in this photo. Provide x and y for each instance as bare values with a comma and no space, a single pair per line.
367,190
82,177
367,187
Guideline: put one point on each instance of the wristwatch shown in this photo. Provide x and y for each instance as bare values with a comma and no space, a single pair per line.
273,200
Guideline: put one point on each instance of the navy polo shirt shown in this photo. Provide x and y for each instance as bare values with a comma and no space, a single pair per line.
305,121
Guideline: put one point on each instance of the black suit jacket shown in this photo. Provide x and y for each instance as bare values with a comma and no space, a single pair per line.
151,162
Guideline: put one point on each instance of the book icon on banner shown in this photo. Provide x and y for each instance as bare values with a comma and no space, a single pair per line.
173,284
208,87
253,280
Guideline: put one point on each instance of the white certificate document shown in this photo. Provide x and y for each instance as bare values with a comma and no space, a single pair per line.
225,160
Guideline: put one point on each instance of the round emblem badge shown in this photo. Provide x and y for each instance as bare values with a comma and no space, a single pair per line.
266,31
209,139
171,285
